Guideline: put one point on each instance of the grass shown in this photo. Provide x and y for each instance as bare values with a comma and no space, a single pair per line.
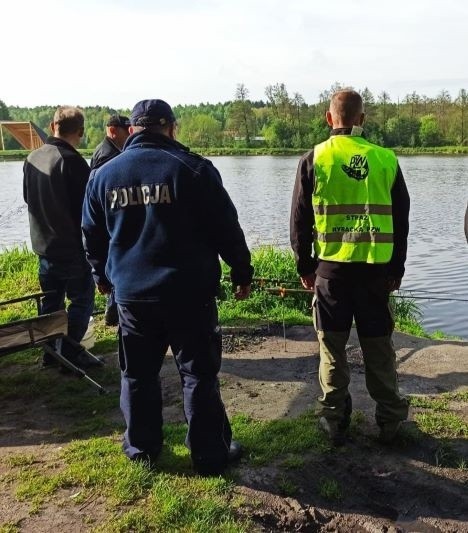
169,498
330,489
9,528
434,418
133,498
274,268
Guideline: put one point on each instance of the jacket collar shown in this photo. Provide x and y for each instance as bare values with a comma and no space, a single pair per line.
340,131
56,141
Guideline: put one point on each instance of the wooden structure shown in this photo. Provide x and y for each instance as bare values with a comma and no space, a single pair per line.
27,134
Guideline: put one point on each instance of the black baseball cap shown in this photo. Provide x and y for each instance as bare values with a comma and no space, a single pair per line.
152,112
119,121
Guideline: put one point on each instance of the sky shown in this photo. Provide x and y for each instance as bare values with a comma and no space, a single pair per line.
116,52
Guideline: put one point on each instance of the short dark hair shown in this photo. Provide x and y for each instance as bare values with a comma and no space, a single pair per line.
118,121
347,105
69,120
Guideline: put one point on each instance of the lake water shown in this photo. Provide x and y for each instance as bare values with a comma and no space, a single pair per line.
261,188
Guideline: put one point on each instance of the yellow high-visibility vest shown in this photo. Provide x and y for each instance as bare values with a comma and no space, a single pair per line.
352,200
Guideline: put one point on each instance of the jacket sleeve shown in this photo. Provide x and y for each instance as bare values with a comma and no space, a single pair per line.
400,213
225,230
302,219
95,235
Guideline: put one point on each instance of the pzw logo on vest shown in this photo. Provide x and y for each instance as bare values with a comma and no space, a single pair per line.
358,168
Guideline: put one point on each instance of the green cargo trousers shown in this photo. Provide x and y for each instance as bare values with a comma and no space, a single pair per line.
336,303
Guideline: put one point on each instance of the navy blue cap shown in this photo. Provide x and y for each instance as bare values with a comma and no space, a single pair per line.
118,120
152,112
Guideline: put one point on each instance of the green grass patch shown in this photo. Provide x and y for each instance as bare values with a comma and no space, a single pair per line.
293,462
441,424
267,441
9,528
427,402
436,419
21,459
330,489
286,486
460,396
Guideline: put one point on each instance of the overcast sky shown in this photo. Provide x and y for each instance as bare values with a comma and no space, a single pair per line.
116,52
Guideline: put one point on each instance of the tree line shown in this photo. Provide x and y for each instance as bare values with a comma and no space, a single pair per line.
285,120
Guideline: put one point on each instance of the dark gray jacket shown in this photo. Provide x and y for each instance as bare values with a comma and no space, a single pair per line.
54,184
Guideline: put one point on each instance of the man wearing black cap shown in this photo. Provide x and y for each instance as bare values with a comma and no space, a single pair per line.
155,220
116,135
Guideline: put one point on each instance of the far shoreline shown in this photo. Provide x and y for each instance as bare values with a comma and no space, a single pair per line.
20,155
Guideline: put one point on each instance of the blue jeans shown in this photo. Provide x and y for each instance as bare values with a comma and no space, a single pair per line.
75,282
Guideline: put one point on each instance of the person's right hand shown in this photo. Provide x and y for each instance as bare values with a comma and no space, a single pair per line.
308,281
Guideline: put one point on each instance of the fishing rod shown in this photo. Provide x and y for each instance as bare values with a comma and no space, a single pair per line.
282,291
453,298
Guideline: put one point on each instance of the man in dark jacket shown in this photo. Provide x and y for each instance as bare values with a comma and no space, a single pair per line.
155,220
350,204
116,135
55,177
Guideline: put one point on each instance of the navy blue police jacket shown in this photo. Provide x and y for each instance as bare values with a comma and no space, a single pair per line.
156,218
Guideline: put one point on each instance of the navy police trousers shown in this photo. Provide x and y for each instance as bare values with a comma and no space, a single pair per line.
191,330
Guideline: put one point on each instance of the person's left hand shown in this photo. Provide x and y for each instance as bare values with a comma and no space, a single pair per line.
241,292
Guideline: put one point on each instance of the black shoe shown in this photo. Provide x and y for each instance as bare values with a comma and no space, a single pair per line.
336,431
147,459
389,431
205,468
235,451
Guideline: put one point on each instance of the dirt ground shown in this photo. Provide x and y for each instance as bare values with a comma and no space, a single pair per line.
385,488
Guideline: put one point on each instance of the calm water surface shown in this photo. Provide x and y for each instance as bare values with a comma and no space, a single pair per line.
261,188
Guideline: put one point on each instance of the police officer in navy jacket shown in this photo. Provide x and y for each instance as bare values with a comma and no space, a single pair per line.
155,221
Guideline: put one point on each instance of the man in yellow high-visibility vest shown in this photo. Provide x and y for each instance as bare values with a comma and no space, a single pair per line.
349,230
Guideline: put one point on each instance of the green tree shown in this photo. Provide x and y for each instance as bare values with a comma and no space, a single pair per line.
278,99
401,131
241,118
442,103
462,102
429,131
4,113
384,101
319,131
413,100
200,130
278,133
368,101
